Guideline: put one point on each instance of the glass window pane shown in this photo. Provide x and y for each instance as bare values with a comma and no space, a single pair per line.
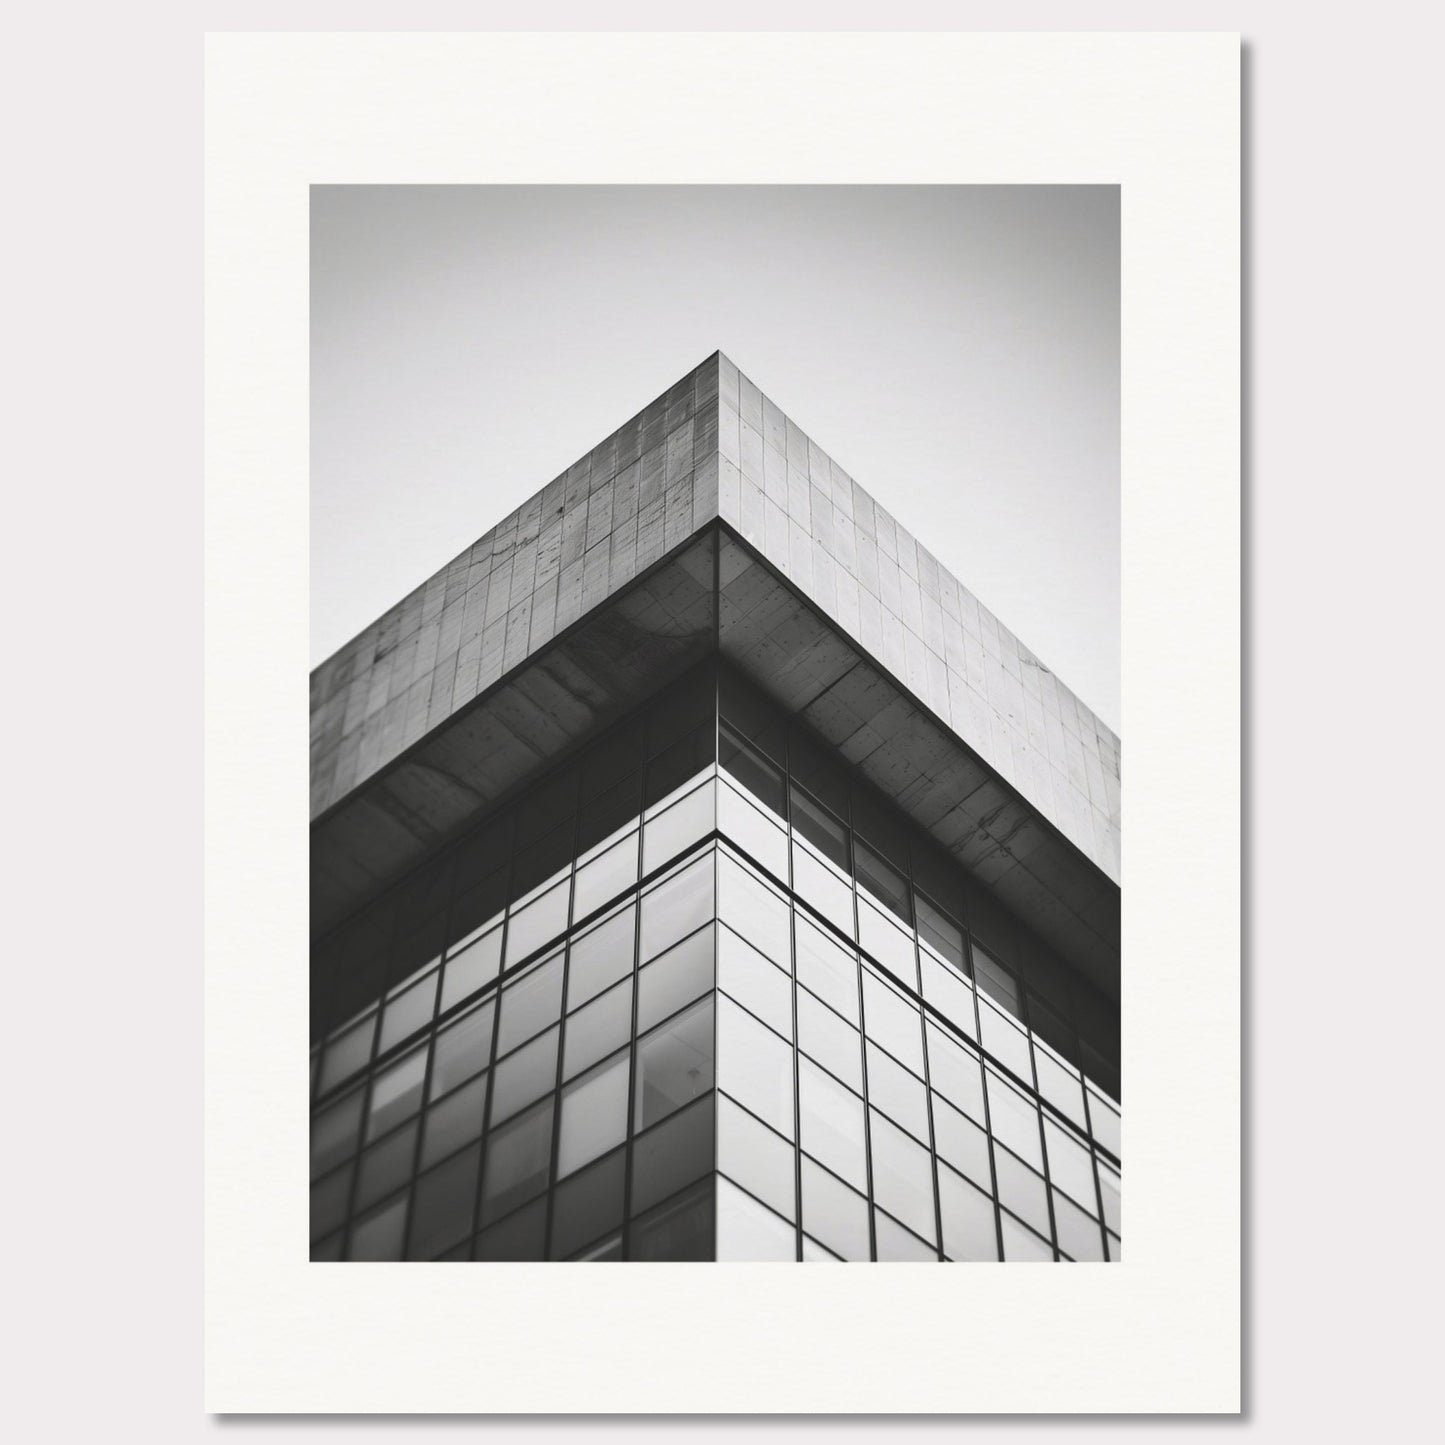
605,876
968,1218
949,993
1103,1122
329,1197
1014,1120
524,1076
898,1245
408,1012
606,1250
471,969
518,1237
674,1064
756,1157
595,1031
1004,1039
902,1176
1109,1192
1059,1085
834,1213
754,982
1021,1190
755,1066
759,913
831,1120
601,956
594,1114
823,888
825,832
519,1157
833,1043
677,907
939,932
385,1167
347,1053
748,1231
890,1020
537,922
334,1131
995,980
827,968
961,1142
676,828
529,1004
396,1093
681,1229
814,1253
378,1236
883,883
898,1093
751,769
441,1213
884,941
1115,1246
1022,1246
462,1049
1079,1236
457,1120
752,830
675,1153
955,1072
588,1205
1070,1167
674,979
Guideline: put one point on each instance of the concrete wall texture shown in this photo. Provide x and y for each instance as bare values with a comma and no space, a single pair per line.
715,446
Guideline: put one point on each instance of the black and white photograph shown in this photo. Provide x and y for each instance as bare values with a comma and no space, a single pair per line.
714,774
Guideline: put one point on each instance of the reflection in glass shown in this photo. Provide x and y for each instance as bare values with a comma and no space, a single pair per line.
996,981
755,1066
674,1064
675,978
681,1229
518,1161
834,1214
471,969
347,1053
601,956
594,1031
538,921
524,1076
396,1093
754,909
754,982
676,1152
940,933
676,828
748,1231
1021,1190
462,1049
756,774
605,876
529,1004
898,1093
588,1204
827,968
968,1218
594,1115
890,1020
902,1176
899,1245
457,1120
378,1236
441,1211
756,1157
333,1133
408,1012
833,1043
676,907
831,1120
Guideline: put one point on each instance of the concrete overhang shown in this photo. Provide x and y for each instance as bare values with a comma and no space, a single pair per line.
715,592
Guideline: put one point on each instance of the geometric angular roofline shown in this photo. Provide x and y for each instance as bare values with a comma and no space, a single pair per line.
711,522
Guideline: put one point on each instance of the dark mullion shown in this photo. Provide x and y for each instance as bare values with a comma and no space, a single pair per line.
632,1037
793,999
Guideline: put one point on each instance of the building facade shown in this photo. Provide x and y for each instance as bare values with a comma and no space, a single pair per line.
699,872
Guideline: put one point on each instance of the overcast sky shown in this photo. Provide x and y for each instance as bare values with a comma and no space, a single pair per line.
955,348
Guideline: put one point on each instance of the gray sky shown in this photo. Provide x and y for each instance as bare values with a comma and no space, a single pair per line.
955,348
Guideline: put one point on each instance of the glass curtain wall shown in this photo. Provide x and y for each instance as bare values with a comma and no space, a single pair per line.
699,993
